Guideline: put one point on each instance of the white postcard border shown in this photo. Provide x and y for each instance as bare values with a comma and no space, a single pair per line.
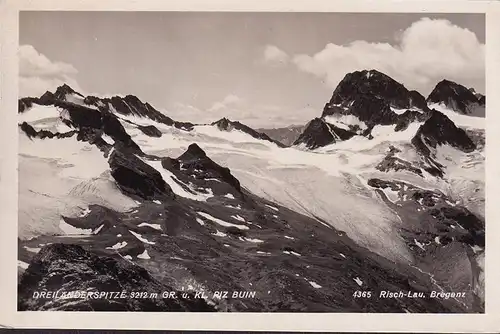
243,321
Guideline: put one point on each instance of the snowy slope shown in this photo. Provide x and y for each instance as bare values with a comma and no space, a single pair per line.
340,186
63,183
329,183
459,119
311,183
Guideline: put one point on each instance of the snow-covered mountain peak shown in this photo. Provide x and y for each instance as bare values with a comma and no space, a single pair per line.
362,101
65,91
458,98
119,177
372,87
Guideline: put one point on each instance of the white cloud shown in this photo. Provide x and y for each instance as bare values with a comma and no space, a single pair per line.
37,73
427,52
274,55
228,102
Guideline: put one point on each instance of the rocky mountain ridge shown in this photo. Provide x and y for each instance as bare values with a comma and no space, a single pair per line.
367,99
459,98
195,223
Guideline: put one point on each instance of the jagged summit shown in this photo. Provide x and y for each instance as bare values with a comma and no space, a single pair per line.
361,101
459,98
157,209
196,162
440,130
193,151
129,105
223,123
374,98
63,94
64,90
319,133
376,85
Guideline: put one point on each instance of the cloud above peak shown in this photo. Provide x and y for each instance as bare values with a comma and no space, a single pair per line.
37,73
228,102
275,56
33,63
426,52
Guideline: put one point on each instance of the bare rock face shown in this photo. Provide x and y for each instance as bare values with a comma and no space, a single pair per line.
132,105
439,130
135,177
392,163
150,130
370,95
64,268
459,98
196,159
375,83
319,133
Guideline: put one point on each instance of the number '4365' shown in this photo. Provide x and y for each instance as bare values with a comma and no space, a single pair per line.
362,294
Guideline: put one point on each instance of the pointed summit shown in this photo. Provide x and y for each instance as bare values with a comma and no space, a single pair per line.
440,130
362,100
193,151
370,98
458,98
63,91
319,133
376,84
47,98
195,160
223,124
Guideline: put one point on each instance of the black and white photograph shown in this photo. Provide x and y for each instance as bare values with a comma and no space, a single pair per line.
305,162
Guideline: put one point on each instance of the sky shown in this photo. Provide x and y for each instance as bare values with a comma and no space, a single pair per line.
264,69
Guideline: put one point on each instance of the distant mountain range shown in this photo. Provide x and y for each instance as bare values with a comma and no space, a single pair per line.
286,135
383,191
